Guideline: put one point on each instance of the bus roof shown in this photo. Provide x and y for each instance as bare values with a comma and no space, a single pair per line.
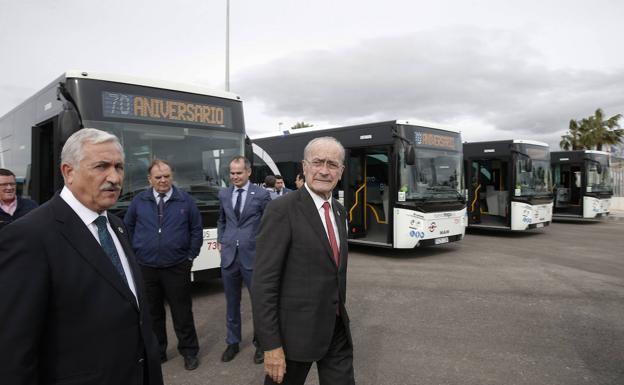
320,130
126,79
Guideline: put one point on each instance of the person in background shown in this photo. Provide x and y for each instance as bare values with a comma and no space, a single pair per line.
241,208
300,277
299,180
11,206
269,185
166,233
280,189
72,305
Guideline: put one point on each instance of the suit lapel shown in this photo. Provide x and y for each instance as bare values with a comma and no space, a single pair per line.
311,214
342,233
120,231
78,235
251,194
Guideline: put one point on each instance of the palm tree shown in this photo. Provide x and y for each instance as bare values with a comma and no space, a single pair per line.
575,138
301,125
604,132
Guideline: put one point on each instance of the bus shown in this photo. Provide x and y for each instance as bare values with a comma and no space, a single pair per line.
509,184
402,185
582,184
195,129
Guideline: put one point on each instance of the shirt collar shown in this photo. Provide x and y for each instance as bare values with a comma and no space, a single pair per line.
318,200
10,206
167,194
245,187
86,214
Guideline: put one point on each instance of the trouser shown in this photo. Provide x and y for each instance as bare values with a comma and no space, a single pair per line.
335,368
174,285
233,277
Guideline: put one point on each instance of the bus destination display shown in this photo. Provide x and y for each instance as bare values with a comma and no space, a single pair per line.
436,140
118,105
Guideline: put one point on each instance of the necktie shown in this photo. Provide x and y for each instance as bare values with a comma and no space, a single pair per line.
161,209
331,234
109,246
237,206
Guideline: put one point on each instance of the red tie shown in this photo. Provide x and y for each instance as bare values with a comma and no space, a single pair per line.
331,234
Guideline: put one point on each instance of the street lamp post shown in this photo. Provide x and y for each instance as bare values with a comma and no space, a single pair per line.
227,46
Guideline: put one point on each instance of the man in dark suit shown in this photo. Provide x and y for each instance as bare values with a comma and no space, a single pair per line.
72,307
299,281
242,205
280,189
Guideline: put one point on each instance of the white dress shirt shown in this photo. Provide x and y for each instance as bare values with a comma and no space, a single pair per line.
88,216
318,202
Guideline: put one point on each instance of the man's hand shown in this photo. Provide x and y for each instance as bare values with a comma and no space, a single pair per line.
275,364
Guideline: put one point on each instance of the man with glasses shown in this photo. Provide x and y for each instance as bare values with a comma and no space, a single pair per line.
11,206
299,280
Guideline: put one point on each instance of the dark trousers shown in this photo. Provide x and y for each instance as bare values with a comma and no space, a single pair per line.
173,284
233,277
335,368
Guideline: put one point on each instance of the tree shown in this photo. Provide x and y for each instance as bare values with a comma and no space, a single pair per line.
592,132
604,132
301,125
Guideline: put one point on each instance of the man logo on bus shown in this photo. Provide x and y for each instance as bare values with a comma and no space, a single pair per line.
432,227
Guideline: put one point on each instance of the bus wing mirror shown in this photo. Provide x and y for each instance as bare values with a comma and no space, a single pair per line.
529,165
599,168
68,123
410,155
248,149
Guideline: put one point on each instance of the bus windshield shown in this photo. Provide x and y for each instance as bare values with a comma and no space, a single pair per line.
533,174
436,175
598,175
199,157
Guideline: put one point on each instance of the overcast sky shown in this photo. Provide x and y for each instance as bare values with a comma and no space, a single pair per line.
492,69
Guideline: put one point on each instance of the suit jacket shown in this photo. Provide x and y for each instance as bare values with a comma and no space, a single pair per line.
67,315
296,285
231,231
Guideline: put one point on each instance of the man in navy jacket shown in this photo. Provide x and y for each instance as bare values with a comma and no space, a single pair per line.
166,233
241,208
11,206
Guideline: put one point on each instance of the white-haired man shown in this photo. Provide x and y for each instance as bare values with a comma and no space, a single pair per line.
72,299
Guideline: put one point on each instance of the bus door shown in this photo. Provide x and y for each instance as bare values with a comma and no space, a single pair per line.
367,194
489,192
568,189
45,175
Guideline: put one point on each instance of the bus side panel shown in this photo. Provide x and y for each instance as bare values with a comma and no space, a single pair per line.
209,257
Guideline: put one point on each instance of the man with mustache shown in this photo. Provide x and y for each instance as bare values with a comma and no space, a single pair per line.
166,233
72,305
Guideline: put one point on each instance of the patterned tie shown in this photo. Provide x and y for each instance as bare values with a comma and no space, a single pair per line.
161,209
331,234
109,246
237,206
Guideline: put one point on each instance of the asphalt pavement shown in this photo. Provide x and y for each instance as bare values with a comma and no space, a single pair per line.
543,307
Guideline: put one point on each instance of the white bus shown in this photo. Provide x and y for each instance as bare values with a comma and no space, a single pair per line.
509,184
402,185
197,130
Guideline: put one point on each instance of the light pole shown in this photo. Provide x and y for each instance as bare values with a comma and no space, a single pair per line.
227,46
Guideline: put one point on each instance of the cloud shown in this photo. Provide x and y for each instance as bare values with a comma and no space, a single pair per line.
478,78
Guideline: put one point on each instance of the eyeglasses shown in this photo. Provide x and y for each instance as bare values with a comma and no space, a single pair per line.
5,185
319,163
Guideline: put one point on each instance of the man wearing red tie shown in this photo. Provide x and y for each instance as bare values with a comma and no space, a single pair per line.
299,281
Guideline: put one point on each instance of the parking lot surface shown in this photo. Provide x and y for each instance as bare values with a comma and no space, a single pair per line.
538,308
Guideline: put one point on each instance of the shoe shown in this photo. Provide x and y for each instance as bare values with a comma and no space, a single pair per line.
258,356
163,358
191,362
230,353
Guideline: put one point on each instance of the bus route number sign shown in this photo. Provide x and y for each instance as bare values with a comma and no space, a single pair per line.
118,105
